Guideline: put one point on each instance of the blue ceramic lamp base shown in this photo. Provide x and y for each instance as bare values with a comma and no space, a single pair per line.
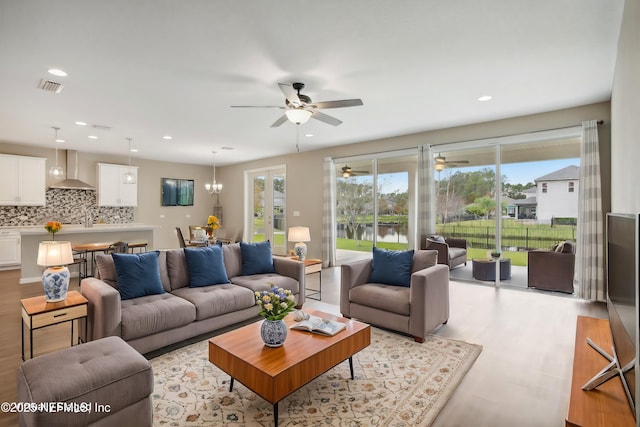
55,281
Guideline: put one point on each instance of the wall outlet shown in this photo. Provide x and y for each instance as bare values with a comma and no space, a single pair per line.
188,215
296,213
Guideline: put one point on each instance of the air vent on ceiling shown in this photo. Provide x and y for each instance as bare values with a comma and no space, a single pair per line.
51,86
101,127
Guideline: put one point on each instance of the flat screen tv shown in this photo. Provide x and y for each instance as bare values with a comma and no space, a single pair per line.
177,192
623,289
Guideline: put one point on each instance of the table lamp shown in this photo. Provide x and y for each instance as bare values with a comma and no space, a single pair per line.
55,255
299,235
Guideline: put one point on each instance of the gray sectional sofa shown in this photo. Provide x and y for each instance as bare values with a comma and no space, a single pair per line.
151,322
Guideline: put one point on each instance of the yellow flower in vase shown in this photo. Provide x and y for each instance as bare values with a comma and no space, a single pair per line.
53,227
212,224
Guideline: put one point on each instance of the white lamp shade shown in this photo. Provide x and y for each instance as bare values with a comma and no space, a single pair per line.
53,253
298,115
299,234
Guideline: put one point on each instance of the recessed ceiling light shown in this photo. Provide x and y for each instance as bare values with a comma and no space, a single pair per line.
59,140
57,72
93,137
134,150
308,135
81,123
484,98
167,137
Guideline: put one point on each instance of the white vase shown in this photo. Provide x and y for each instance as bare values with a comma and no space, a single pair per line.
273,332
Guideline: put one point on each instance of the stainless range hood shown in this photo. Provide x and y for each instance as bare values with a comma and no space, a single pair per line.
72,182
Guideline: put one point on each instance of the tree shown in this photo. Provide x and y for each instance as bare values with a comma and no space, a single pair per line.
354,201
482,206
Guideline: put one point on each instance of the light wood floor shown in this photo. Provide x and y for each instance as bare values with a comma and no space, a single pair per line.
522,376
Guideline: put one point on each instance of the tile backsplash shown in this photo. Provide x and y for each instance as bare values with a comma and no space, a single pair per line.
68,207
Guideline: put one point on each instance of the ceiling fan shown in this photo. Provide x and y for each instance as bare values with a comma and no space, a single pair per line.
299,108
441,162
348,172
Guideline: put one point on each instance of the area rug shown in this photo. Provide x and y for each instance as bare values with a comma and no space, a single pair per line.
398,382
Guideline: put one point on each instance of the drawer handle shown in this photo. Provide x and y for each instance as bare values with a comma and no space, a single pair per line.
59,315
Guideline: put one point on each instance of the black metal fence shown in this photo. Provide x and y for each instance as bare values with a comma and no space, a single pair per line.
513,238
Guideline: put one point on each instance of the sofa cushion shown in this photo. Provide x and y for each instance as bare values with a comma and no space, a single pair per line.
391,267
456,252
154,313
177,269
423,259
216,300
205,266
390,298
264,282
106,269
256,258
232,256
138,274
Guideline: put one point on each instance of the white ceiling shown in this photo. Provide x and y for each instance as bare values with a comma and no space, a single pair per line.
164,67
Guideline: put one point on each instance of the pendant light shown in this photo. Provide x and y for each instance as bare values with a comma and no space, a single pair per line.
56,171
214,187
129,177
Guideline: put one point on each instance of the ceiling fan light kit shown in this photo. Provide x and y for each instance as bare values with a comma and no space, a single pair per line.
298,115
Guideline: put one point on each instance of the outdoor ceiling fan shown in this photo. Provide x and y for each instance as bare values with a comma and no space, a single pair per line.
299,108
348,172
441,162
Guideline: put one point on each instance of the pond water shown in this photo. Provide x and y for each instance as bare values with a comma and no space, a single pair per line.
390,233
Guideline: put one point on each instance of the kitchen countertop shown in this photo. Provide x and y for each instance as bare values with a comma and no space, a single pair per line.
78,228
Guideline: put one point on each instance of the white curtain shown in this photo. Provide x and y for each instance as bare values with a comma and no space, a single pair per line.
589,251
328,215
426,196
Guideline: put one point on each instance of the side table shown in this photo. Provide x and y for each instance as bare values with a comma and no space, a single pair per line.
38,313
485,269
313,266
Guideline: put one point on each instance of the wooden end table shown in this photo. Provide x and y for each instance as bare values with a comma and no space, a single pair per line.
274,373
38,313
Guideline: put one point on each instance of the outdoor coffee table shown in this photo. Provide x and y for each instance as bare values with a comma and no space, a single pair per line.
274,373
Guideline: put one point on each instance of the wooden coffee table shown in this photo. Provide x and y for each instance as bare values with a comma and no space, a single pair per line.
273,373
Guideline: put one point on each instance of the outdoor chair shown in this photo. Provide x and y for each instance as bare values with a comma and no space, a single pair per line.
451,252
552,270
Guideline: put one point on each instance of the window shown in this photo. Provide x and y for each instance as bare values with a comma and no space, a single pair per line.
571,186
544,187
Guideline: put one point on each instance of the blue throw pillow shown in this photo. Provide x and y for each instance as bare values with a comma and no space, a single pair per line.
391,267
138,274
206,266
256,258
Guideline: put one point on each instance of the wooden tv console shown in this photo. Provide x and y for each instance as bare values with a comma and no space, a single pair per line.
607,405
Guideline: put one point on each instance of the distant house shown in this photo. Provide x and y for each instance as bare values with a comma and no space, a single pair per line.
555,195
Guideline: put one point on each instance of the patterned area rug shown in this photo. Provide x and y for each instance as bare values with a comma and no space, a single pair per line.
398,383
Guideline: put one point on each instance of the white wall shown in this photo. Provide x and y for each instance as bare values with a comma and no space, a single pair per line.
625,113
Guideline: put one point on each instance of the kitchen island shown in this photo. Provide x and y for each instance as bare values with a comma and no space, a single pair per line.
31,236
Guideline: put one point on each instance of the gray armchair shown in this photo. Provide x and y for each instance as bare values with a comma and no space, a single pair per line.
452,252
552,270
415,310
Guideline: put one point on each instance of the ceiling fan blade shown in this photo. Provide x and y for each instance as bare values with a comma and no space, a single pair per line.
338,104
256,106
290,93
280,121
326,118
458,162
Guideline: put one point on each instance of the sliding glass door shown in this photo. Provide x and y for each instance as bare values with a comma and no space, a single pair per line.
375,201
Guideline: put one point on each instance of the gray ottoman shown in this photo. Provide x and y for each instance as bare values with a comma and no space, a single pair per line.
100,383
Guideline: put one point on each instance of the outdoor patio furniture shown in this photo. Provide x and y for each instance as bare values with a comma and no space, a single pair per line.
552,270
452,252
485,269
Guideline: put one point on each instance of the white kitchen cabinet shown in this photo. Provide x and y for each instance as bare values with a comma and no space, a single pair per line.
9,248
24,180
112,191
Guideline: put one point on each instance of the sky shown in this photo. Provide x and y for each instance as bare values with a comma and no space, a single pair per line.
516,173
